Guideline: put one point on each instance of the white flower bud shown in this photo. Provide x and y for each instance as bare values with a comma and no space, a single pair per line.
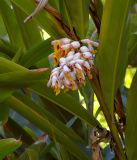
54,81
80,61
91,62
55,41
95,44
90,47
71,53
86,64
61,76
75,44
72,62
86,41
56,73
87,55
66,46
69,58
66,69
84,49
55,69
76,56
65,40
78,66
62,61
67,83
49,83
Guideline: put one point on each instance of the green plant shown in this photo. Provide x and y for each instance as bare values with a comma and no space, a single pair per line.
67,126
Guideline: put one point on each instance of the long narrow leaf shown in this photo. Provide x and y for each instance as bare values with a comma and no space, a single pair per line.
30,31
74,107
46,126
113,47
131,123
10,23
50,24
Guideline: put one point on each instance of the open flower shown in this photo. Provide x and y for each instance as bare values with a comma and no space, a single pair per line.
73,62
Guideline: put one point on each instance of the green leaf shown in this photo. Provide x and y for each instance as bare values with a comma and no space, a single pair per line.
50,24
15,130
46,126
54,3
10,23
30,31
65,14
113,47
37,53
79,15
16,79
6,48
4,113
131,123
9,66
2,27
74,107
132,46
30,154
47,115
8,146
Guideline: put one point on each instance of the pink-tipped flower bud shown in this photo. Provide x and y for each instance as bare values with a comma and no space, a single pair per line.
86,41
65,40
91,62
66,46
87,55
55,41
55,70
62,61
49,83
77,56
84,49
54,81
86,64
78,66
61,76
66,69
95,44
69,58
72,63
75,44
80,61
71,53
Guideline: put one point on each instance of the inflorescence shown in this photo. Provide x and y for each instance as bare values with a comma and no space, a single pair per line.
72,61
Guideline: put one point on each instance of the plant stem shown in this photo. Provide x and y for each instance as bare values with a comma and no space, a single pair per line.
109,118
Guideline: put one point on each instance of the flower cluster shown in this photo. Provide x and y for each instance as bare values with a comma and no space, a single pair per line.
72,61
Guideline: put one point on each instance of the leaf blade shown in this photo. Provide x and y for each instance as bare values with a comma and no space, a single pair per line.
113,47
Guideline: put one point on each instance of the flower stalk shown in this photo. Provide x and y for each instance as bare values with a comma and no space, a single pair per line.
109,118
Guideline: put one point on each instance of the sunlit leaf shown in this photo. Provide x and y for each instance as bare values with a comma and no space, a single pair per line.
113,47
8,146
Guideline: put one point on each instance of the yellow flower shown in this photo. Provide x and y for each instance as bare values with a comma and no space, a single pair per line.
56,45
94,51
55,59
56,89
80,76
74,86
69,77
64,52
